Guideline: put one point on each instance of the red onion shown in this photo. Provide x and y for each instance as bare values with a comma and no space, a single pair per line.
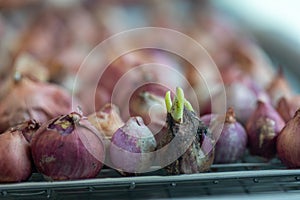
263,128
231,137
16,164
287,107
288,143
132,147
68,147
28,99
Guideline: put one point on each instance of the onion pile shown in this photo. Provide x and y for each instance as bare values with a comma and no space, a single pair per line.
68,147
139,123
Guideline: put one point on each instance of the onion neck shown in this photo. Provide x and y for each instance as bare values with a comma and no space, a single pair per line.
230,116
65,125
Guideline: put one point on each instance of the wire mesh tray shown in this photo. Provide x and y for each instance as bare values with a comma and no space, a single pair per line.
238,178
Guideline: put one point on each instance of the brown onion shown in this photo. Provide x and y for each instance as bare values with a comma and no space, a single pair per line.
263,128
68,147
31,99
288,143
15,156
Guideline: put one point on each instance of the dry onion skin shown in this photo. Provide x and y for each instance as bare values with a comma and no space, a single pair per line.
107,120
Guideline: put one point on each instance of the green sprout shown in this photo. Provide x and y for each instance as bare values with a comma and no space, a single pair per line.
176,107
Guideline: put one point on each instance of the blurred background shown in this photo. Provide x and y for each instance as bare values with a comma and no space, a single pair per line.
54,37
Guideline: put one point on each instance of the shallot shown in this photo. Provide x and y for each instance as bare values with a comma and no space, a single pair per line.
288,143
263,128
132,147
16,162
230,136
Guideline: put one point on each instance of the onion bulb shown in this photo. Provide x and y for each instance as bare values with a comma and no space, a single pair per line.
288,143
230,136
28,99
68,147
263,128
16,162
132,147
148,103
187,147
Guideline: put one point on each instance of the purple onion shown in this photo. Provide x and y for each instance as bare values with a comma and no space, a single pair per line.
263,128
230,136
132,147
68,147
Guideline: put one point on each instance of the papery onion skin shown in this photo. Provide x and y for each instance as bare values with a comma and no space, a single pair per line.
31,99
16,162
230,136
107,120
132,147
263,128
68,148
288,143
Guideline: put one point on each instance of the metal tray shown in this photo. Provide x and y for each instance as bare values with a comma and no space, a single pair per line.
223,179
